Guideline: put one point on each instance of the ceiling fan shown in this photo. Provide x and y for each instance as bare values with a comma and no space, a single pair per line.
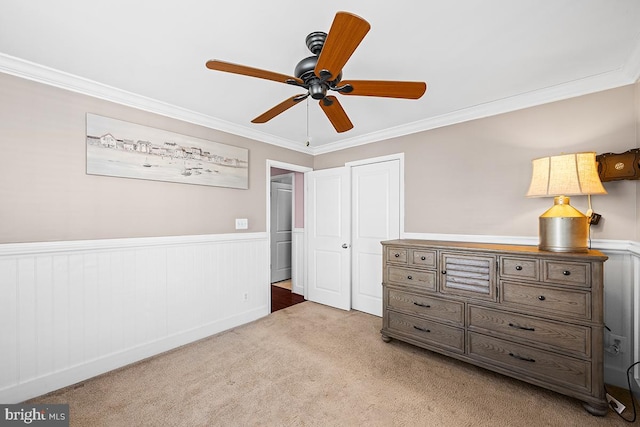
322,72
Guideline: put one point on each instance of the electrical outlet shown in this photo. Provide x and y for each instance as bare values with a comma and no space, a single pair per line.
615,404
619,341
245,296
242,223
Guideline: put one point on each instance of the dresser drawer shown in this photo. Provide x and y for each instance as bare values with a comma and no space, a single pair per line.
551,367
397,255
562,337
560,302
567,273
434,308
525,268
425,280
424,258
427,331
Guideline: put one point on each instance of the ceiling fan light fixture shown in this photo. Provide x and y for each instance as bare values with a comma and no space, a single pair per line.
304,68
318,89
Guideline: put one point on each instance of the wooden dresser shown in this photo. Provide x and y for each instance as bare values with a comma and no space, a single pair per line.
530,314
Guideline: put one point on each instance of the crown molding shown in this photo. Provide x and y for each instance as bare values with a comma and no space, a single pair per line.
584,86
628,74
56,78
632,66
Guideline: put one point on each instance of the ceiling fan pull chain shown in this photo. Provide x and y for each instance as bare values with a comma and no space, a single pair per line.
308,139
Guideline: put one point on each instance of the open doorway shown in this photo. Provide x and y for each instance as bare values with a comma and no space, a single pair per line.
282,224
285,221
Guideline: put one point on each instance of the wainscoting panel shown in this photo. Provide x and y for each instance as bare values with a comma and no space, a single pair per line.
73,310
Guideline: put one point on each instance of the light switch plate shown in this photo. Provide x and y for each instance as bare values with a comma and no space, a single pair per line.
242,223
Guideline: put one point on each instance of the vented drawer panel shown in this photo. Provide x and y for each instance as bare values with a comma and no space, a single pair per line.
468,275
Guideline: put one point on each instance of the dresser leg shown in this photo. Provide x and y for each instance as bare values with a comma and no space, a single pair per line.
597,410
386,338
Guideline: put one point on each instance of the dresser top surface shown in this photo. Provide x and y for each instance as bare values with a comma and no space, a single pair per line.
498,248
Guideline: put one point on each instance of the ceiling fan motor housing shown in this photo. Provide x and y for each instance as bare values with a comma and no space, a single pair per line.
304,69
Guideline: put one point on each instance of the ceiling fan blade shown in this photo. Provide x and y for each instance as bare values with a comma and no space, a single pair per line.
282,107
388,89
346,33
228,67
336,115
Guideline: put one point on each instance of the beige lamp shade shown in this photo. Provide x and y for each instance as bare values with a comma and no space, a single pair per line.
565,175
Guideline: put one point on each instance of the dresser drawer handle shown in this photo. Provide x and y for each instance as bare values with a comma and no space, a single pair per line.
518,267
524,328
423,257
542,298
566,272
397,255
526,359
421,329
419,304
444,271
410,277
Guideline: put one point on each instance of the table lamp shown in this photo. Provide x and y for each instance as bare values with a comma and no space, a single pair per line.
563,228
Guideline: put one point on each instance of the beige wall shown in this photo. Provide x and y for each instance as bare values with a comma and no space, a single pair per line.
45,194
471,178
468,178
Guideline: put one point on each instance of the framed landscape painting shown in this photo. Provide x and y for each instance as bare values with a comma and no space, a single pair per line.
128,150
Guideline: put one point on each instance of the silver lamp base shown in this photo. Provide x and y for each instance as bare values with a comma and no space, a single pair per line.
563,228
564,234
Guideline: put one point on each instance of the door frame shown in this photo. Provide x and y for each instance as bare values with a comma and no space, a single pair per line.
293,168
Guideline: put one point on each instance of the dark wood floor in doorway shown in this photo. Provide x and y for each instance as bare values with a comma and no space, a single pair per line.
283,298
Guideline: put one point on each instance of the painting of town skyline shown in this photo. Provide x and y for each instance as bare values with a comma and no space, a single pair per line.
128,150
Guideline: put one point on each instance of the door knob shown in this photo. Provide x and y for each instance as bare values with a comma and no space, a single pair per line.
345,246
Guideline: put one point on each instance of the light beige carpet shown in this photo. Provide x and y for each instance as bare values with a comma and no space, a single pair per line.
311,365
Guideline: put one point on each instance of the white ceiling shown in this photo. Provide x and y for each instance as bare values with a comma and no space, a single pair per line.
478,58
